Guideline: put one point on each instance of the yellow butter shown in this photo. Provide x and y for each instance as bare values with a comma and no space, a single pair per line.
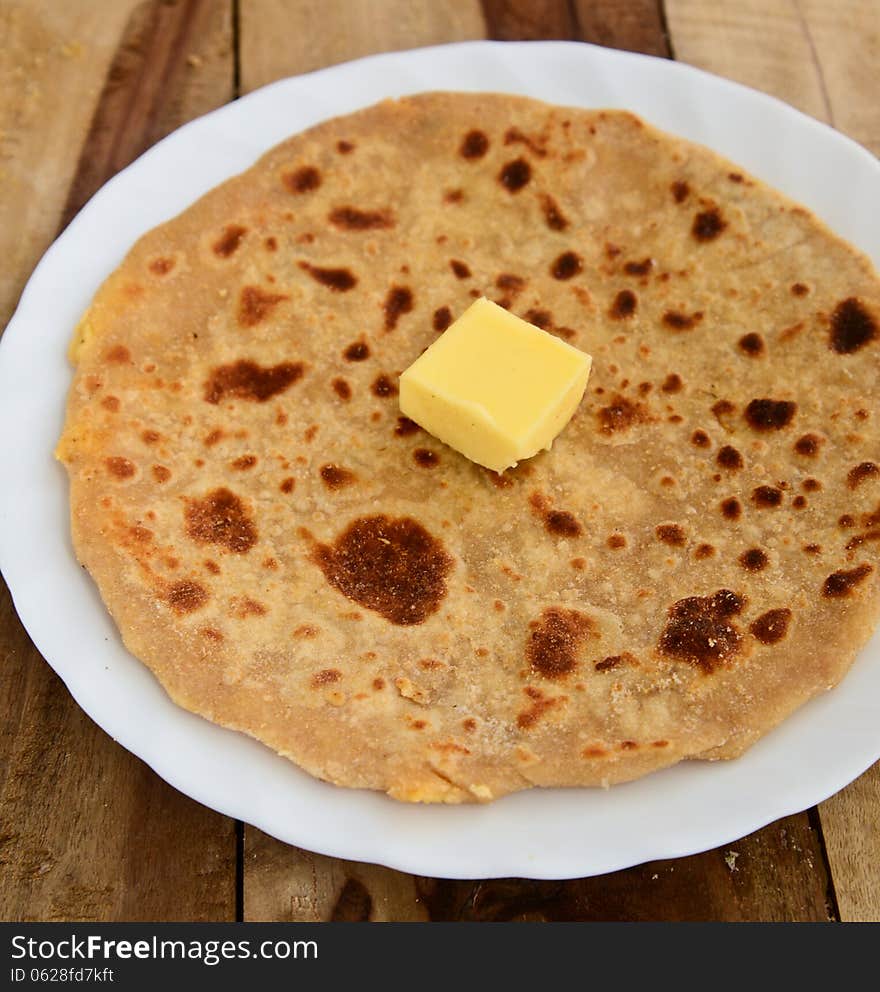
495,387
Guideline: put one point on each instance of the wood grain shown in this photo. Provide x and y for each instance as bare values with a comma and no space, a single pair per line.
775,874
53,60
280,38
825,59
88,832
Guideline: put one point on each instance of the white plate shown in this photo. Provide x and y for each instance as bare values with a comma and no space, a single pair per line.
552,833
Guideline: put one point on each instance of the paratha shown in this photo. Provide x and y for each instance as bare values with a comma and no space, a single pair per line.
694,558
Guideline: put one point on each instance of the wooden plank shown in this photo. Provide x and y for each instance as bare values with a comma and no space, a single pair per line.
636,26
775,874
87,832
754,42
53,59
825,59
845,37
286,37
851,829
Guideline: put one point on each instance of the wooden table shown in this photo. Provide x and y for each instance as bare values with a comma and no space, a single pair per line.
88,832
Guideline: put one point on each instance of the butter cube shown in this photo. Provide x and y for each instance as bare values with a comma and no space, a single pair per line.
495,387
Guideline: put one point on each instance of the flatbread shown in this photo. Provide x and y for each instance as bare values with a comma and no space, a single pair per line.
694,558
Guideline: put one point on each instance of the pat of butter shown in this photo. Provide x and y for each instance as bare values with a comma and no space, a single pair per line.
495,387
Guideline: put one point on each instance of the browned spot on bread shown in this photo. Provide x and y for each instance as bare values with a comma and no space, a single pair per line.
474,144
230,239
769,415
336,477
799,502
700,439
616,542
699,630
255,305
325,677
858,474
245,380
558,522
799,289
812,549
150,437
459,269
641,268
728,457
391,565
406,427
161,266
852,326
680,191
288,484
540,318
271,243
345,147
341,388
118,355
357,351
625,304
678,321
352,219
766,497
110,403
621,414
186,596
811,485
337,280
842,583
398,302
161,474
303,180
808,445
244,462
442,319
514,175
567,265
846,520
120,468
771,626
708,224
221,518
213,437
671,534
554,218
672,383
510,282
539,706
860,539
242,607
752,345
426,458
555,642
615,661
704,551
384,386
212,634
754,560
453,196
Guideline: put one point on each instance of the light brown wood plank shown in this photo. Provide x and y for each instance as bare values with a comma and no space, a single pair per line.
825,59
53,60
87,832
845,36
752,41
286,37
851,827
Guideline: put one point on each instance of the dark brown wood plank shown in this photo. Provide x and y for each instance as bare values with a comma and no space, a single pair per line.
88,832
175,63
637,25
776,874
531,20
